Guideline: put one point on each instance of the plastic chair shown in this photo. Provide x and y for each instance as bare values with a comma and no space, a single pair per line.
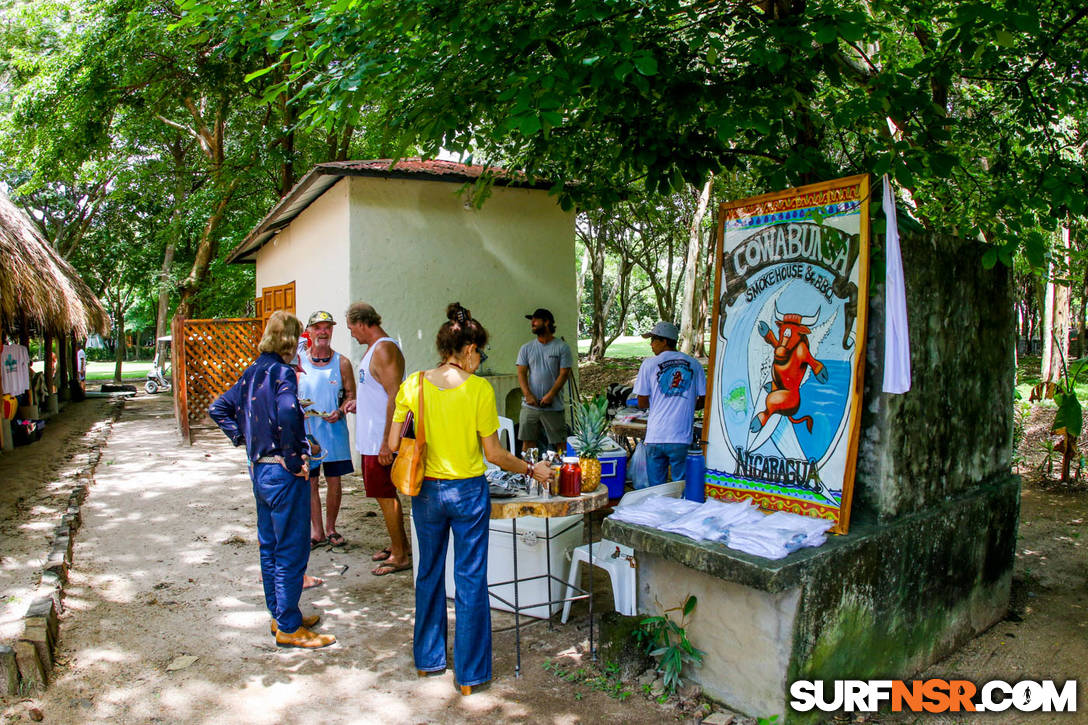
618,560
506,427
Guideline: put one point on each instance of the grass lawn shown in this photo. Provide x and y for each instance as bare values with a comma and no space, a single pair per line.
627,346
1027,376
129,369
624,346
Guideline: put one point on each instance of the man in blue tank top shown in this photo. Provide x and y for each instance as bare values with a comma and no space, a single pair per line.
326,385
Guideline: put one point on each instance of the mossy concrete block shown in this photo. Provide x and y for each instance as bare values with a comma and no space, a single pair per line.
32,676
79,491
9,671
43,610
953,429
63,542
617,645
51,586
56,564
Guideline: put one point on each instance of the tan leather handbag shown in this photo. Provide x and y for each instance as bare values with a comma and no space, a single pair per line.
407,473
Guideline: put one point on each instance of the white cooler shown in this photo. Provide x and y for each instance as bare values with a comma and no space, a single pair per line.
565,532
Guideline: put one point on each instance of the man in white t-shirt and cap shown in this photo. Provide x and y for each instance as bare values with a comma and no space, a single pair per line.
673,386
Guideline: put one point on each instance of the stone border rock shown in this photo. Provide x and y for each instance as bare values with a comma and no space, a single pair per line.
27,665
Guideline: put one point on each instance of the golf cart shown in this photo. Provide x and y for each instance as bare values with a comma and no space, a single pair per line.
157,381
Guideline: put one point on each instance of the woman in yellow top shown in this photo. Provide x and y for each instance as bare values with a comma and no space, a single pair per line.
460,418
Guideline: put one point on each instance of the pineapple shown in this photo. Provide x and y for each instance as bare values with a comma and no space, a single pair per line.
590,422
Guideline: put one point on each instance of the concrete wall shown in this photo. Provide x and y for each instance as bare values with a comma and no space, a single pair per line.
953,430
746,634
313,253
416,247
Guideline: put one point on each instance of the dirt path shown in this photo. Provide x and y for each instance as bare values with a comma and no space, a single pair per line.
34,487
166,566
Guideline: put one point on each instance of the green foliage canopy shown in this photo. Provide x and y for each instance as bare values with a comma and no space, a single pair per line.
986,98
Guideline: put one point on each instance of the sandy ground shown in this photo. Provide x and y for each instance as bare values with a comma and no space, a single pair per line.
166,566
34,488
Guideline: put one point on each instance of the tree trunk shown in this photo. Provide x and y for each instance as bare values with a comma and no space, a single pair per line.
162,324
689,300
706,291
581,282
597,343
77,387
1056,321
119,351
206,251
62,367
623,288
47,358
1080,314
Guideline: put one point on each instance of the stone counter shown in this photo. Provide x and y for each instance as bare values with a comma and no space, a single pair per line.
883,601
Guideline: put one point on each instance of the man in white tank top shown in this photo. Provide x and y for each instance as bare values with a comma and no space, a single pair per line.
378,377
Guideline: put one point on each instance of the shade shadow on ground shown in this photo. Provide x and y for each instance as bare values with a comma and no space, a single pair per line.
166,565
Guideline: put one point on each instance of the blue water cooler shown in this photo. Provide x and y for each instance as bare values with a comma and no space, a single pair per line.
695,476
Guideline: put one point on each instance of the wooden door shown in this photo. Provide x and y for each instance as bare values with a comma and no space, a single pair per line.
281,297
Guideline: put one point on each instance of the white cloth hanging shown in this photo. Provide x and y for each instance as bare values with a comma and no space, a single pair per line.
15,369
896,329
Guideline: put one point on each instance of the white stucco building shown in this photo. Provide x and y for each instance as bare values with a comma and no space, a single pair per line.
406,241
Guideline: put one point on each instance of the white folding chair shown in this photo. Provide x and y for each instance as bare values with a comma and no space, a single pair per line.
618,560
506,428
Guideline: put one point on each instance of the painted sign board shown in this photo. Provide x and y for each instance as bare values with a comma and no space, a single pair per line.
787,359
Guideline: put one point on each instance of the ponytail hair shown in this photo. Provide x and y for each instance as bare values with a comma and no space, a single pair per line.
460,329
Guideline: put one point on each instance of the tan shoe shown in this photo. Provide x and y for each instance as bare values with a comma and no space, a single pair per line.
303,637
308,621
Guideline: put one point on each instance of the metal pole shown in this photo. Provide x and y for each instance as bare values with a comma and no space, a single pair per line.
548,557
517,606
592,648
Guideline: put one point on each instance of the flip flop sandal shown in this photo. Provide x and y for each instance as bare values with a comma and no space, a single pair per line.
385,569
381,555
335,539
314,543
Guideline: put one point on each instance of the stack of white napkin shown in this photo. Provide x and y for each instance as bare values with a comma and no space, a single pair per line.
741,525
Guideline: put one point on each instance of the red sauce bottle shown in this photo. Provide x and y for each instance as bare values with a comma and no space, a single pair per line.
570,478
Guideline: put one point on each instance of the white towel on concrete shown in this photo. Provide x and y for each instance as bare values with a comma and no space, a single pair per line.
654,511
711,518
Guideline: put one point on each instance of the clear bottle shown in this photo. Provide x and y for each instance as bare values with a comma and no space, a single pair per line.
570,478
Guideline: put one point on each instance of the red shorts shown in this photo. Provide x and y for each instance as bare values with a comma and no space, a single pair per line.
376,479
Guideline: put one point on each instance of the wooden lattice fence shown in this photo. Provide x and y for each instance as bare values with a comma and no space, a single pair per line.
208,357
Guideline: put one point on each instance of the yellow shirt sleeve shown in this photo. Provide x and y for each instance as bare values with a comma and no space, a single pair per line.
487,415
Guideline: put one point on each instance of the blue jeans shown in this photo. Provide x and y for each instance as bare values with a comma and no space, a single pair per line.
464,506
660,456
283,532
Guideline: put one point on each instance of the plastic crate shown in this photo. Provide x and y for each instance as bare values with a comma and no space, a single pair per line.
613,466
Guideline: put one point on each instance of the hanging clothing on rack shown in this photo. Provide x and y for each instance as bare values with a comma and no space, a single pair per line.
15,369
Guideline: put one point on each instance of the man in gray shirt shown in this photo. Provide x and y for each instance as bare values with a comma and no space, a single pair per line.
543,368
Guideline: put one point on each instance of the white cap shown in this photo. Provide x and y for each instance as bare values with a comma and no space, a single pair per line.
570,459
664,329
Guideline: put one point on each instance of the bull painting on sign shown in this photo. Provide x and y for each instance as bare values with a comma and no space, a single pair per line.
784,400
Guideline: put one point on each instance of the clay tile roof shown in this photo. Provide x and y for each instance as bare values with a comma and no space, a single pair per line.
324,176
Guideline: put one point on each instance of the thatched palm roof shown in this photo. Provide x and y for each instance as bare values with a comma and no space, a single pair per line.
36,281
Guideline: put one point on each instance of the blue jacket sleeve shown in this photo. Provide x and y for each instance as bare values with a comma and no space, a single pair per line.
224,411
291,430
